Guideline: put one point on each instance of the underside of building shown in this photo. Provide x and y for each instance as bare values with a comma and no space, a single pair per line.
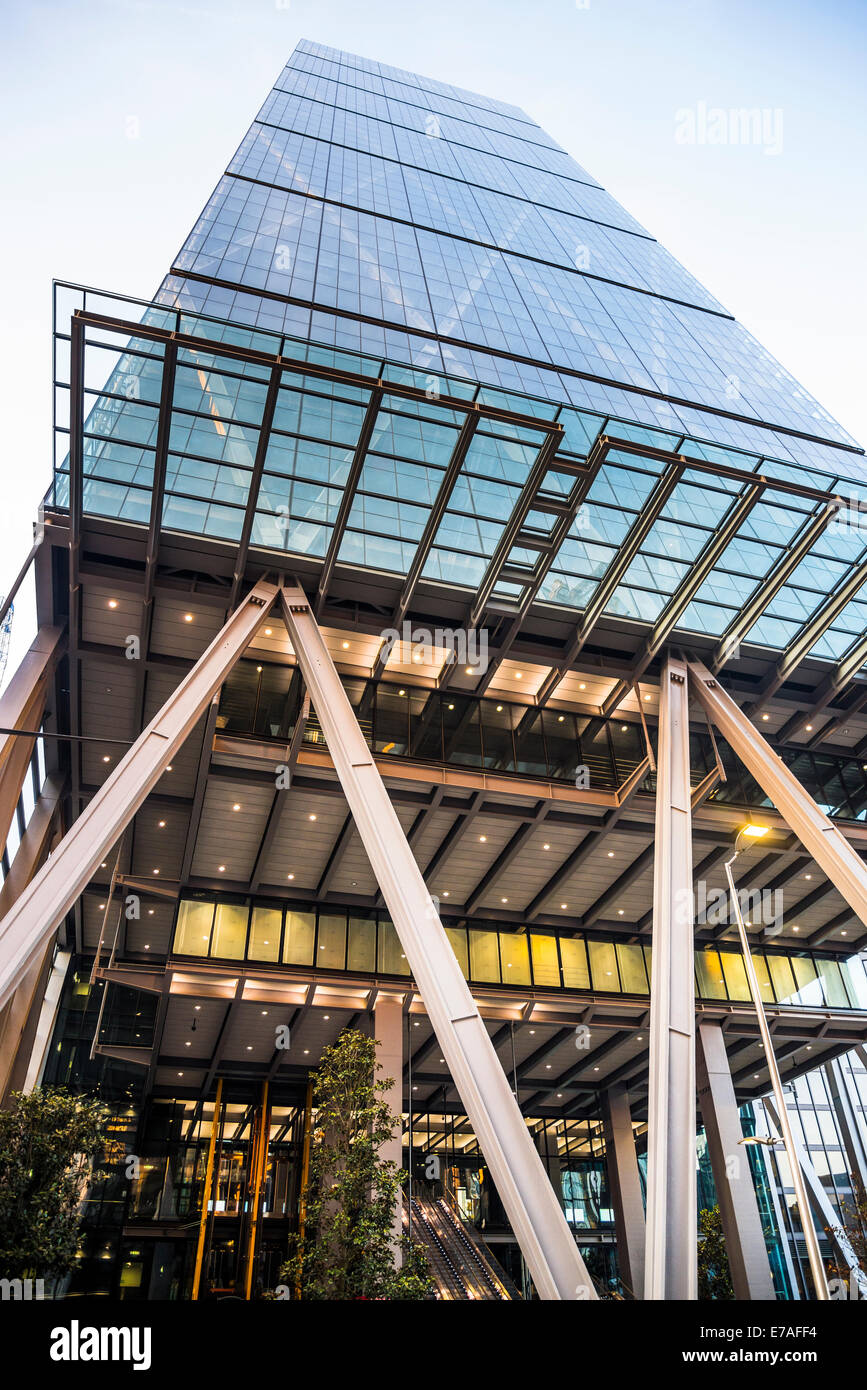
435,584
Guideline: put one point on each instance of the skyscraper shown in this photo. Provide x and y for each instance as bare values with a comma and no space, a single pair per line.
534,481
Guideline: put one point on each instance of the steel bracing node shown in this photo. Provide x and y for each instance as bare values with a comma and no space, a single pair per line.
44,903
670,1264
539,1224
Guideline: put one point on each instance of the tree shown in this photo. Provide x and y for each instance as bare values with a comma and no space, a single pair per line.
346,1250
854,1229
47,1141
714,1275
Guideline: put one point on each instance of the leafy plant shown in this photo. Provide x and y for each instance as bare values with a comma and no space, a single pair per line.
47,1141
347,1247
714,1275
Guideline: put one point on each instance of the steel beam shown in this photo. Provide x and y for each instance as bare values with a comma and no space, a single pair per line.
819,836
671,1270
534,1212
58,885
714,549
771,585
602,595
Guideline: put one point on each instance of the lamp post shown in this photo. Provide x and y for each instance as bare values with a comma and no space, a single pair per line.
812,1243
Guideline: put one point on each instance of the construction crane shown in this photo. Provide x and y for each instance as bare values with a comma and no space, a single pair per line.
5,633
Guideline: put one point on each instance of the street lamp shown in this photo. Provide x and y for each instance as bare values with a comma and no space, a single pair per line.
757,832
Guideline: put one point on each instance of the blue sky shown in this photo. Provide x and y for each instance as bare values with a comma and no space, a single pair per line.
778,237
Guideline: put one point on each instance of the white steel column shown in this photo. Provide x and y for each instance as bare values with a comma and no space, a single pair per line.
732,1175
540,1226
671,1270
34,918
388,1029
819,836
624,1183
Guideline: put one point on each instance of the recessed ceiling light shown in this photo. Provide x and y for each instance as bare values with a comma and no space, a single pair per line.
620,912
451,706
582,686
265,1011
446,893
259,669
221,869
808,877
156,871
647,697
312,816
198,1006
809,728
417,657
415,1025
188,617
345,646
401,692
102,907
188,1044
150,912
623,728
161,824
766,716
249,1047
611,854
326,1017
796,928
169,768
499,709
180,1073
148,946
560,718
290,875
546,846
519,675
563,907
483,839
112,603
237,806
844,933
504,900
268,631
106,758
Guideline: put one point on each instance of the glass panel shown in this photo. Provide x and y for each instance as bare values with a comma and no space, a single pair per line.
855,977
781,979
832,980
809,985
631,961
764,979
331,946
461,733
230,932
362,944
576,971
392,960
273,690
709,975
298,937
497,736
458,939
484,956
515,956
392,721
265,934
530,746
603,963
546,964
735,975
193,931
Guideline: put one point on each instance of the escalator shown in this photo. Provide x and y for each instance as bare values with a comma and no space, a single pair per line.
462,1267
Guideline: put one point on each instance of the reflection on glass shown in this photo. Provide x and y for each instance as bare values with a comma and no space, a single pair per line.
193,932
392,960
230,932
265,934
515,957
298,938
546,964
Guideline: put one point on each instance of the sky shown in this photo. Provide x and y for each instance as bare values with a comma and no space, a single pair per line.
117,118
